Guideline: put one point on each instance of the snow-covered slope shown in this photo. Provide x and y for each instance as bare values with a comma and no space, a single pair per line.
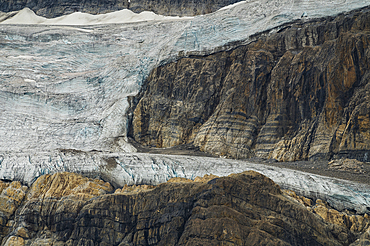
64,84
27,16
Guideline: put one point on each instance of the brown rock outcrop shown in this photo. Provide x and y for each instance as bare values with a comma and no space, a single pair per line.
299,93
358,224
51,204
11,196
61,185
240,209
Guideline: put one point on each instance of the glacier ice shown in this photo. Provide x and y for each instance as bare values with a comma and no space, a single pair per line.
66,86
141,168
64,89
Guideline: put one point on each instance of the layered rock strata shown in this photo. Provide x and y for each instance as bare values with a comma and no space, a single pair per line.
52,8
300,93
356,223
68,209
52,201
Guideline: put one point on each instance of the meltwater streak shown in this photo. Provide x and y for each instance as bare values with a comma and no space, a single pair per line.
64,88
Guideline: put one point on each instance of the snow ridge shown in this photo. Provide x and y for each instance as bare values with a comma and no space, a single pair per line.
27,16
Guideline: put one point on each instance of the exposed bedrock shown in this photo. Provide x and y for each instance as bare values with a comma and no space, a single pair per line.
55,8
68,209
301,93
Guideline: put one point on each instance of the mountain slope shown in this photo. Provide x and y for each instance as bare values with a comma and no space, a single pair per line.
300,93
247,208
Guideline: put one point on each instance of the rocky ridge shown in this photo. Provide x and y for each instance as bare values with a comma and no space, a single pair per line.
52,8
296,94
68,209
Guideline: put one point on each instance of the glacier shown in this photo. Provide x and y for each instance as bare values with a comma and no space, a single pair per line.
142,168
64,84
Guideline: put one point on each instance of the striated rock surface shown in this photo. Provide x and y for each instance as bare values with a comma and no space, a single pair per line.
67,185
11,196
55,8
347,165
300,93
68,209
357,224
50,205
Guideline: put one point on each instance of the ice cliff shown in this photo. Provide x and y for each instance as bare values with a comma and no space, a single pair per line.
64,89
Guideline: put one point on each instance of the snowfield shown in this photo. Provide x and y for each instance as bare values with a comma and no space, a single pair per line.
64,84
27,16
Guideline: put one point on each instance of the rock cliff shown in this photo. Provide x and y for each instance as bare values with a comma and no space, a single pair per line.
68,209
296,94
52,8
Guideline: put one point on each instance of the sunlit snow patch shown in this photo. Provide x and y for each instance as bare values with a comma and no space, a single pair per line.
27,16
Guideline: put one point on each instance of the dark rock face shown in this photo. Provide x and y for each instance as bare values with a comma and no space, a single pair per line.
301,93
246,208
54,8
